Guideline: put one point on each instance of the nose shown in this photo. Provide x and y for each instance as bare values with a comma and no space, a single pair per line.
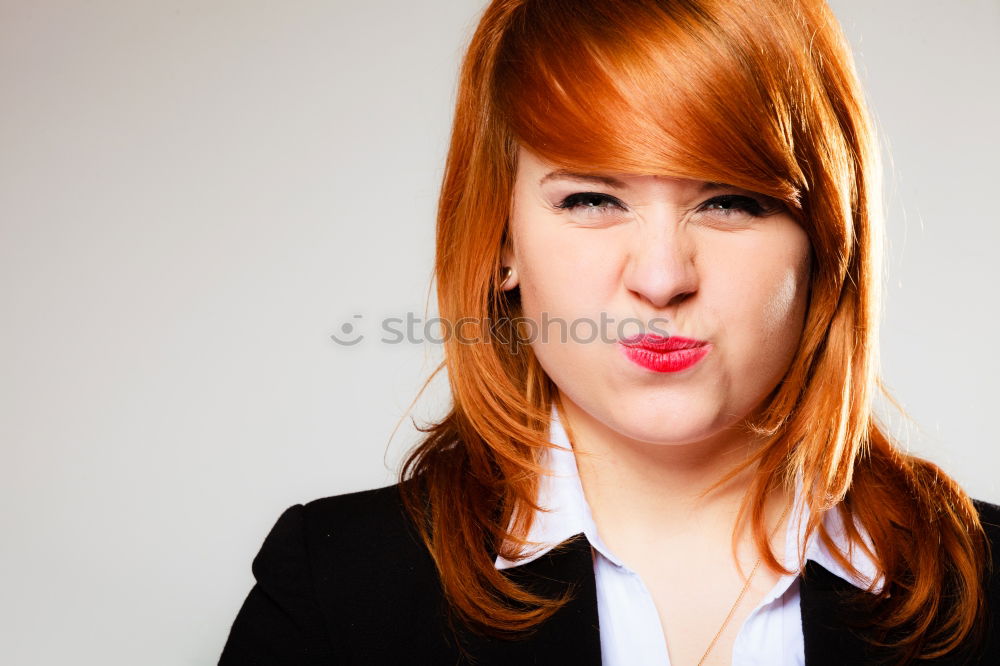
661,264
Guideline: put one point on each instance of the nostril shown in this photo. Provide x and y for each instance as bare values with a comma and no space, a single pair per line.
680,298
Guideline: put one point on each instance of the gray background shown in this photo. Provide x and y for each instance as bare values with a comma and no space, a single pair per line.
195,195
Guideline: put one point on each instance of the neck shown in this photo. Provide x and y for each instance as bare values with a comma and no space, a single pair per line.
648,488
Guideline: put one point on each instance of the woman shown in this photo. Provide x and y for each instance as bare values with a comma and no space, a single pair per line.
659,240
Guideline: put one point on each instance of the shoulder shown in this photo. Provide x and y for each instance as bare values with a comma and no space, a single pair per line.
334,577
347,529
989,517
363,509
363,532
351,531
989,514
365,518
372,573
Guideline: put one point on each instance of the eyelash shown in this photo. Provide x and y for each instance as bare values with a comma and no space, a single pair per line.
738,202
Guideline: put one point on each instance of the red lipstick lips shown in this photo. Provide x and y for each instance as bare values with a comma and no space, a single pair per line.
660,354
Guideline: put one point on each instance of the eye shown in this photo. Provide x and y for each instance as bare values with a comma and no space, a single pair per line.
600,204
729,205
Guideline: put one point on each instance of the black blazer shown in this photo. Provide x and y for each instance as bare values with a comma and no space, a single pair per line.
345,580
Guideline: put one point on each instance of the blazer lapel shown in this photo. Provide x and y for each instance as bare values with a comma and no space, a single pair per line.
572,634
833,627
826,619
830,623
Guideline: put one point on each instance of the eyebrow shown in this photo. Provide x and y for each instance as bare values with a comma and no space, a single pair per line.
566,174
611,181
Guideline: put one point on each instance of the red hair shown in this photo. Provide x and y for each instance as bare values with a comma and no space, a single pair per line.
760,94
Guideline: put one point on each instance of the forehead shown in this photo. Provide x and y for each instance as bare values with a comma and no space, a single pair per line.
533,170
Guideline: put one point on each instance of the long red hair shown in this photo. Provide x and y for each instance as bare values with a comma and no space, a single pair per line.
760,94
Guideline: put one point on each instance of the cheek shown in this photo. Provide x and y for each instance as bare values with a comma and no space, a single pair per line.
768,307
784,301
568,274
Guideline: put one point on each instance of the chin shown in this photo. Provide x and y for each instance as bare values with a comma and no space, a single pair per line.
674,425
658,434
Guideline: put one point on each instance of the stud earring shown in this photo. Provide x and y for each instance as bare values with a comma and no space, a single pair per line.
505,274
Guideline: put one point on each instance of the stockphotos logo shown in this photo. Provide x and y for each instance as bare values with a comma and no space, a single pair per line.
513,332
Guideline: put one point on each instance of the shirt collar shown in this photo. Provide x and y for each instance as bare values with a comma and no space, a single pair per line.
569,514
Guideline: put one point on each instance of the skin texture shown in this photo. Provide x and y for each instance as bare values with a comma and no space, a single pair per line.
667,252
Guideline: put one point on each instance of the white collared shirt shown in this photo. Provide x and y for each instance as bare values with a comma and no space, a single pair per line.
630,629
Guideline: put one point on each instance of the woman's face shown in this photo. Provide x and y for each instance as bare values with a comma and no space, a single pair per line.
618,255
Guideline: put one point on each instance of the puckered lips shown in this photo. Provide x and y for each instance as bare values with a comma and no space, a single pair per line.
664,354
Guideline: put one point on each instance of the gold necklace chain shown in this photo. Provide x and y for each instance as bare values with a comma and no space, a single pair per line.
746,586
